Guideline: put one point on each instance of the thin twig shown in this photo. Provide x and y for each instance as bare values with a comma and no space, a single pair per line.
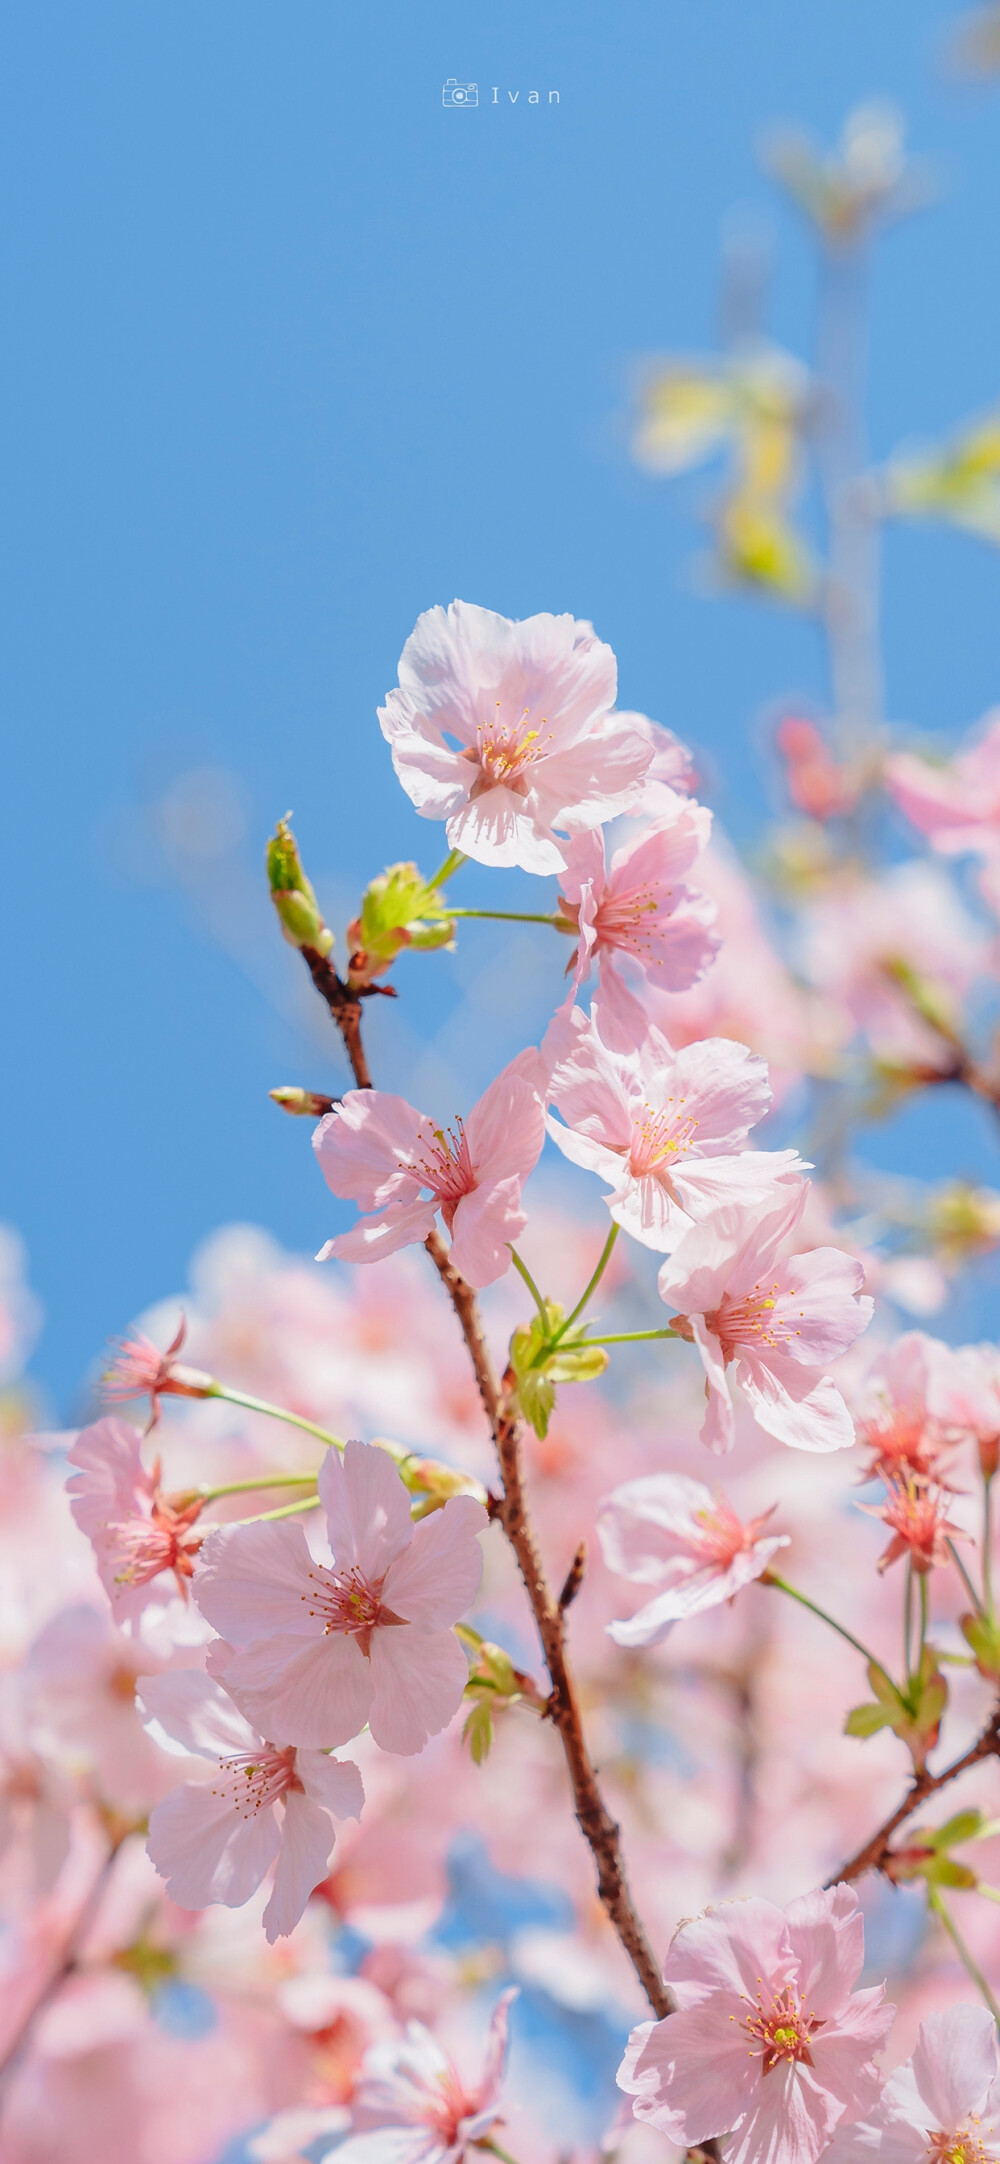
872,1857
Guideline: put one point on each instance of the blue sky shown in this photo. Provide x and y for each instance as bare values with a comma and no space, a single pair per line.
293,352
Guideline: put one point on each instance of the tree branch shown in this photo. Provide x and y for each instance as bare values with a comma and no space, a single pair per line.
873,1856
599,1829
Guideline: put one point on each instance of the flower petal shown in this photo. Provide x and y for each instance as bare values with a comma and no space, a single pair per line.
307,1838
419,1678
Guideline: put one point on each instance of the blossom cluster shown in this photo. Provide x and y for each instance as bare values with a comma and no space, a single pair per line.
406,1693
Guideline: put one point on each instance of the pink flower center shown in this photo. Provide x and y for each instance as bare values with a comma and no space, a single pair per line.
144,1550
754,1320
345,1601
659,1138
722,1537
962,2147
621,918
782,2028
504,752
446,1166
445,2108
254,1780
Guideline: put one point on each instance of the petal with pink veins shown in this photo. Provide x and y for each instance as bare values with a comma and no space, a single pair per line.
438,1577
367,1508
254,1580
205,1850
311,1694
418,1680
307,1838
194,1710
369,1148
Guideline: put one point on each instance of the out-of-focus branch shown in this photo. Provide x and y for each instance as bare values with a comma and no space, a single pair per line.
64,1969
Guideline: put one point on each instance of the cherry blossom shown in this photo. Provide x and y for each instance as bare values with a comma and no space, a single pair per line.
139,1367
506,731
637,912
770,2047
943,2106
377,1151
323,1648
666,1530
916,1516
412,2106
137,1533
956,805
216,1841
776,1322
901,1418
666,1128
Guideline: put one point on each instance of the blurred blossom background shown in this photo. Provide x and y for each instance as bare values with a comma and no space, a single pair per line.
295,352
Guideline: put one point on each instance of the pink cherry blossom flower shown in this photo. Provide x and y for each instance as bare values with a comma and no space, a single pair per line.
956,805
216,1842
943,2106
667,1129
139,1367
138,1535
777,1323
639,913
412,2106
900,1419
325,1648
666,1530
377,1151
916,1515
505,731
770,2047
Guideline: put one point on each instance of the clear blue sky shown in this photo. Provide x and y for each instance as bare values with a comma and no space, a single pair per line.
292,352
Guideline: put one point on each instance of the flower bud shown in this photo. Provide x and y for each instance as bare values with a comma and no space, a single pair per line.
292,894
305,1104
397,910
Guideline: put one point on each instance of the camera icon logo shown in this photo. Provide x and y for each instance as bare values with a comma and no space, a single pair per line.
459,93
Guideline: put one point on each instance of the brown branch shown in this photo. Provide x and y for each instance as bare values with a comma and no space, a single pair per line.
874,1854
345,1007
599,1829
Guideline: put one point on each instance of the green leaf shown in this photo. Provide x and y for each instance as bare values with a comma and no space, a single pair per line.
478,1729
866,1720
539,1365
983,1637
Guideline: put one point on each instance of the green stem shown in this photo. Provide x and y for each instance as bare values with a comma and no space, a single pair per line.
631,1337
966,1580
493,2149
274,1412
968,1963
908,1620
265,1480
592,1287
288,1510
452,862
770,1577
988,1547
924,1617
523,1271
514,916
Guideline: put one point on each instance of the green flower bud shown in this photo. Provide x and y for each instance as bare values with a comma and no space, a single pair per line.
292,893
